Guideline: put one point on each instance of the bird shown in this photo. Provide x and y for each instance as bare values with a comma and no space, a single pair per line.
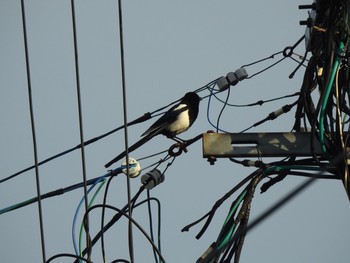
176,120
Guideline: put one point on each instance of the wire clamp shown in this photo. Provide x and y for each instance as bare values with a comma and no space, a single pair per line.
180,148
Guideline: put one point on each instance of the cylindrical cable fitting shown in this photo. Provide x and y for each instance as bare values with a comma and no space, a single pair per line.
241,74
152,179
222,84
232,79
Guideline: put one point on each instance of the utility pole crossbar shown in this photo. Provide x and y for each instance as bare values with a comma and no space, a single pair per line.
263,144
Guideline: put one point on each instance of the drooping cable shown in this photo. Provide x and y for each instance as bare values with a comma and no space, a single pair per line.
113,221
151,223
121,41
138,120
123,213
32,120
327,93
80,117
222,110
90,204
66,255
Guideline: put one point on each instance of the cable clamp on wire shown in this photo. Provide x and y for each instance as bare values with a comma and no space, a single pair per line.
152,179
180,148
231,79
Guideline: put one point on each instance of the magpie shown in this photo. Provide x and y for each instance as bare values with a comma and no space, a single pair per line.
176,120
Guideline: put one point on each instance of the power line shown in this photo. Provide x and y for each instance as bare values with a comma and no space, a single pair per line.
32,120
81,128
121,39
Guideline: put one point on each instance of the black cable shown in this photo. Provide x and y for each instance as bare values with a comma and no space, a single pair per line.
80,117
66,255
148,199
120,260
59,191
218,203
272,116
267,68
35,152
103,218
128,186
112,221
259,102
287,198
143,118
123,213
151,223
222,110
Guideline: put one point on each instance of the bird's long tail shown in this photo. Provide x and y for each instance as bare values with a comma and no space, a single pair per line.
133,147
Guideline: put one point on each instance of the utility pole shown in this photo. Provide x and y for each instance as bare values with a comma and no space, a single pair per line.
326,118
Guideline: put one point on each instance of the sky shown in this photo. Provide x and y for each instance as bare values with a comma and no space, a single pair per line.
171,47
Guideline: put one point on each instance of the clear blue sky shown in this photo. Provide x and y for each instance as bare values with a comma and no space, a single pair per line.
170,48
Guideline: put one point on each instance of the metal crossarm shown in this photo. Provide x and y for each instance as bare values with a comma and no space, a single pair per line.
263,144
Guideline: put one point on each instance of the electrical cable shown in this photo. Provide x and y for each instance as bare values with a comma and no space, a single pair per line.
273,115
128,186
80,118
328,90
222,109
75,218
112,221
32,121
141,119
259,102
218,203
151,223
90,204
267,68
57,192
148,200
208,111
67,256
125,214
103,219
287,198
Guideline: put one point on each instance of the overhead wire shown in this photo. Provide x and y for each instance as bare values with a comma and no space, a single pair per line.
80,120
303,112
128,186
32,121
90,204
125,214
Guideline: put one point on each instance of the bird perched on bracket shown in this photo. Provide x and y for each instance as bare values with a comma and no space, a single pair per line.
176,120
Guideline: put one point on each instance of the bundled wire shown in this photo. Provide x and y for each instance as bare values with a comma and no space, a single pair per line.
328,73
230,240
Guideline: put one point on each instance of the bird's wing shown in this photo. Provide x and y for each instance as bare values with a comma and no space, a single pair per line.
168,118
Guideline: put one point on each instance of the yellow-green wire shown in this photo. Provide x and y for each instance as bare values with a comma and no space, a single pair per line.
90,204
226,239
328,91
278,168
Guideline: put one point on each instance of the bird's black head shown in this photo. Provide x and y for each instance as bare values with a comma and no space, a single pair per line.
191,98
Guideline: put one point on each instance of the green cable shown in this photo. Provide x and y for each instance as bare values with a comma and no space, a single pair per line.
278,168
90,203
226,239
328,91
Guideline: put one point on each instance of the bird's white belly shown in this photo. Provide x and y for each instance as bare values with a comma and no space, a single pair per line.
182,123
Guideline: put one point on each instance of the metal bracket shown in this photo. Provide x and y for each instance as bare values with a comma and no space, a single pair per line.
263,144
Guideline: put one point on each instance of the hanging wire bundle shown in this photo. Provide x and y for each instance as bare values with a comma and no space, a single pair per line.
322,110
